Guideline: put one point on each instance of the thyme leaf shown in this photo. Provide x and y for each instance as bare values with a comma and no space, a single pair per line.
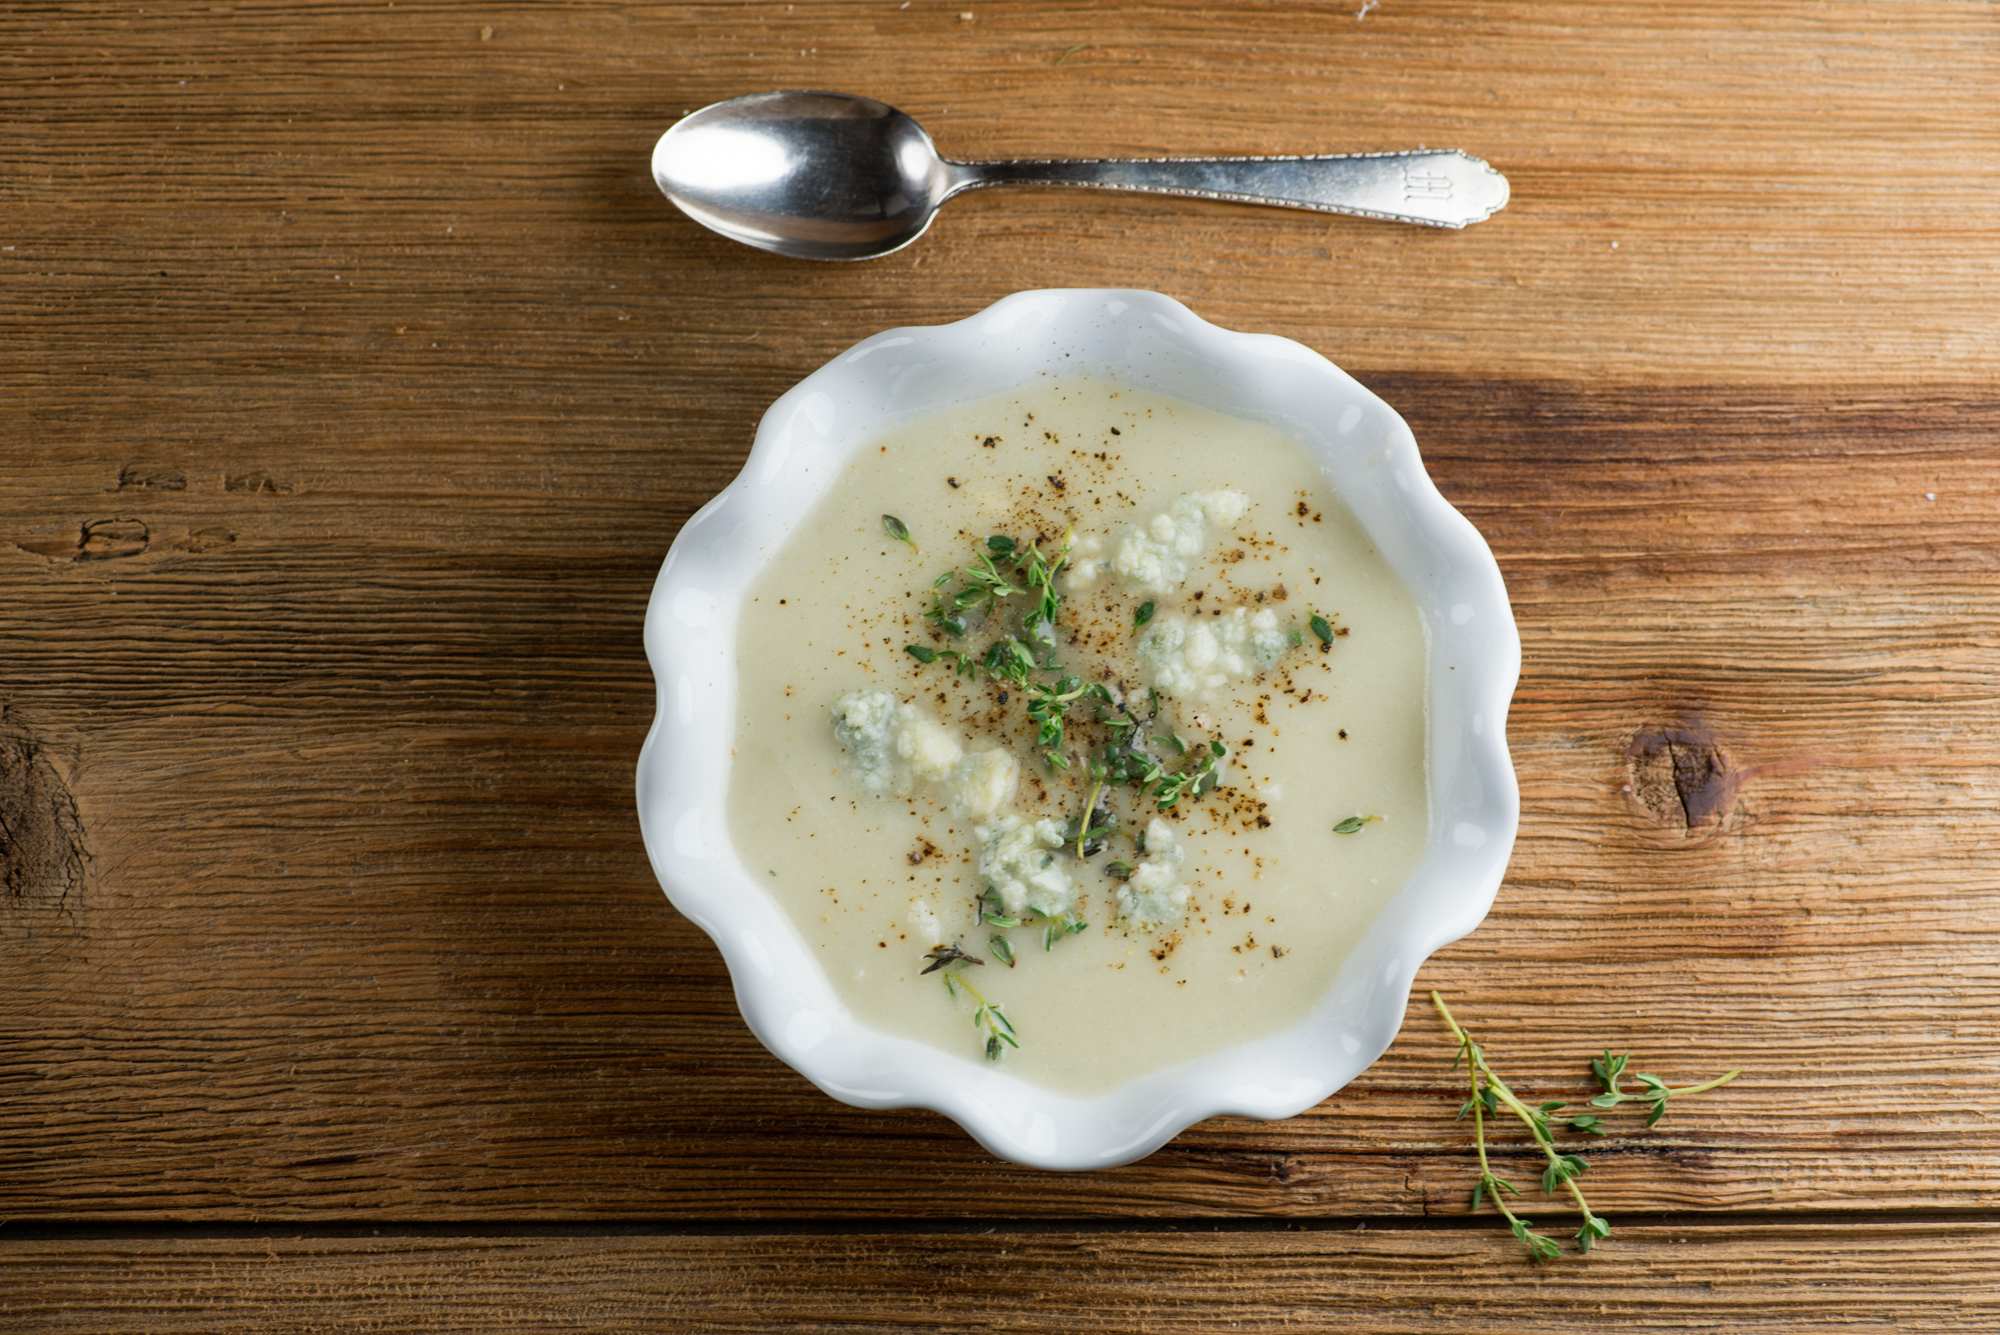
991,911
1058,928
940,956
1321,628
898,530
1353,824
1144,614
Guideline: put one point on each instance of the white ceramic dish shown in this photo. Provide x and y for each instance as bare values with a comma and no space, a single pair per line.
1153,342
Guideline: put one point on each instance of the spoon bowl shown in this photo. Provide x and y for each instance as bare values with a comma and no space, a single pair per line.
818,176
829,176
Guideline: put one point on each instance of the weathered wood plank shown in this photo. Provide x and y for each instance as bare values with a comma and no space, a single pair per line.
331,191
1767,1279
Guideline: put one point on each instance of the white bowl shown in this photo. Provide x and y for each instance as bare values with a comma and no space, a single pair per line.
1152,342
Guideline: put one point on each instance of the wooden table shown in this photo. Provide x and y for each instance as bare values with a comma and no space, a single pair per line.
356,379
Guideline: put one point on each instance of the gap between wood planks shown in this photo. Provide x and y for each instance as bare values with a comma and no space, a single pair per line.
170,1230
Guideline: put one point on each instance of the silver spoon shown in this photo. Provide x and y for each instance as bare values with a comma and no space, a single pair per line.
826,176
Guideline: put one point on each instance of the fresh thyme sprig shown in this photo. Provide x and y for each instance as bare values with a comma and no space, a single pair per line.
1042,572
1610,1072
1201,776
989,1015
1490,1093
980,585
1048,710
1127,757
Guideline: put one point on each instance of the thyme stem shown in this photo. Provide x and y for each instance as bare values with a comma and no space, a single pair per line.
1707,1085
1488,1182
1083,822
989,1016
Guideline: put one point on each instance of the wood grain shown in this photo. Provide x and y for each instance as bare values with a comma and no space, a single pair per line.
357,380
1372,1282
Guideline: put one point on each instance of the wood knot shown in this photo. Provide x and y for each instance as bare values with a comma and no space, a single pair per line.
41,840
1681,777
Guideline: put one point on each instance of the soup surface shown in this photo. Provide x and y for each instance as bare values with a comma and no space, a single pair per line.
1160,818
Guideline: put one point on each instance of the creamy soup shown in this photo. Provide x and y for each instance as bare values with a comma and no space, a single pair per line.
1159,820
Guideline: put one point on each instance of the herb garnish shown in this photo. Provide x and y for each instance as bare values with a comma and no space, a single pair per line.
1610,1073
1058,928
1096,820
1489,1092
1017,659
994,913
980,585
1353,824
898,530
1321,628
939,956
1024,660
1048,709
1200,777
989,1015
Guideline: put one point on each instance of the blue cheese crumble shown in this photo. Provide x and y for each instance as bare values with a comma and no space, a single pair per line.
897,749
1192,656
1156,557
1155,894
1017,859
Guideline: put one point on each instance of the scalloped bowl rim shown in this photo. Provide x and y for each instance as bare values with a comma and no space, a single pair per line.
1149,341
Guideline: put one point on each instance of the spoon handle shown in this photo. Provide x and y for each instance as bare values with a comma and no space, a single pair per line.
1434,187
